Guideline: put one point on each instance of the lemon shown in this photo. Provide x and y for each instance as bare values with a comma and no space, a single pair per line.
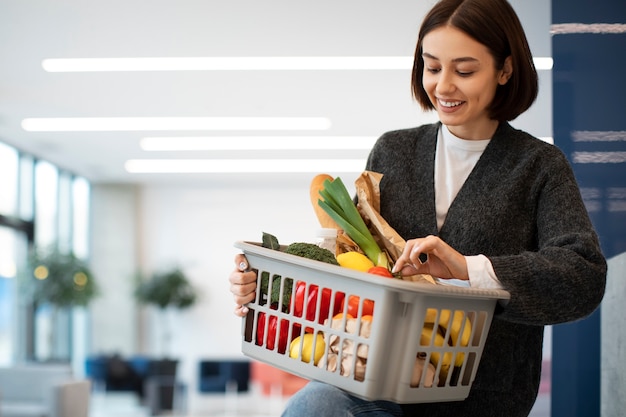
355,260
307,347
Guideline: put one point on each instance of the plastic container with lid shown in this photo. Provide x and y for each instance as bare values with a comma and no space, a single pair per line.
327,238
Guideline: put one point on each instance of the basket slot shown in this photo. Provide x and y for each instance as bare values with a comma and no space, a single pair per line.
315,304
347,352
449,339
276,291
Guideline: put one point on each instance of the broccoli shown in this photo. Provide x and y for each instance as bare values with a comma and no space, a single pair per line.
306,250
311,251
275,295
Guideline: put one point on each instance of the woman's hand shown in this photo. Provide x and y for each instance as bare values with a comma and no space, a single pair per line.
442,260
242,285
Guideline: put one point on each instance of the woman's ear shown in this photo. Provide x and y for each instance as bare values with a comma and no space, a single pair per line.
507,71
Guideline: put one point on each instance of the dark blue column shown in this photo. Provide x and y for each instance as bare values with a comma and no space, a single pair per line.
589,87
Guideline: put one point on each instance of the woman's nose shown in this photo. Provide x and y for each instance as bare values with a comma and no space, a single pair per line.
445,83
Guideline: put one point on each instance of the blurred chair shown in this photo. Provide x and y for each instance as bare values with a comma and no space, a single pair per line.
219,375
35,390
162,391
269,377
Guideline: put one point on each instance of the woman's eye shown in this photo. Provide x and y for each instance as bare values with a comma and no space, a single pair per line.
433,70
465,73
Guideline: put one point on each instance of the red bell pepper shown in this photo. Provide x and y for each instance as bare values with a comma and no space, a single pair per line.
353,306
299,304
380,270
273,331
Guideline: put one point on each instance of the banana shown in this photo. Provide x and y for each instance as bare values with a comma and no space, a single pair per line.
456,327
459,323
435,357
461,326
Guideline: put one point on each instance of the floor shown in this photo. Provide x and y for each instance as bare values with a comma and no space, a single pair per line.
214,405
243,405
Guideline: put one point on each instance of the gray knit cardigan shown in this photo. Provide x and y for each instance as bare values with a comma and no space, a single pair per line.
521,207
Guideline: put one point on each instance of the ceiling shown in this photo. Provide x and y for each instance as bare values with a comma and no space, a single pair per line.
356,102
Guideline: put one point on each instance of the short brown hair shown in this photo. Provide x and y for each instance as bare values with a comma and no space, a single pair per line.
494,24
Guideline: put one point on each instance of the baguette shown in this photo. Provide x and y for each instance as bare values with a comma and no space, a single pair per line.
317,184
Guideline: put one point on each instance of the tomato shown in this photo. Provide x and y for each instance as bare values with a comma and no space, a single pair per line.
273,331
299,304
353,306
380,270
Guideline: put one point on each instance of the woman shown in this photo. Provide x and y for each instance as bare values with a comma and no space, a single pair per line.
480,201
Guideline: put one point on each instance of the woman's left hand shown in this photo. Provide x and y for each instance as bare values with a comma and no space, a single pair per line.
442,260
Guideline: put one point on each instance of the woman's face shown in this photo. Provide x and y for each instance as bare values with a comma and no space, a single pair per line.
461,79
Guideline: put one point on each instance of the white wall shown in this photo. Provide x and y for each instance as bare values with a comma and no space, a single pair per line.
113,259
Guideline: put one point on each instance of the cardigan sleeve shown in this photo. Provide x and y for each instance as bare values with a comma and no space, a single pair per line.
565,278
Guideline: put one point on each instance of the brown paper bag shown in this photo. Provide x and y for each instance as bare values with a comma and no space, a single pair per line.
368,204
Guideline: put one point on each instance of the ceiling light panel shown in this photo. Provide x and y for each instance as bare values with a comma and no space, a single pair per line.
220,166
94,124
228,63
242,143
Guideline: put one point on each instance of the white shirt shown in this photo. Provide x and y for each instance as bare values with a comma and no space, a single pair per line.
454,160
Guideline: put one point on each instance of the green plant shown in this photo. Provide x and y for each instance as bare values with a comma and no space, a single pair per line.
62,280
166,289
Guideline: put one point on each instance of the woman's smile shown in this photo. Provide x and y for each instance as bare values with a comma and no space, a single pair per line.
449,105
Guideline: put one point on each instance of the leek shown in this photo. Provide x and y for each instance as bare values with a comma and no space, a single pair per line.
341,208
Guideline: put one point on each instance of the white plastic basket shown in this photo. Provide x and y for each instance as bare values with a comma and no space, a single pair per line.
394,348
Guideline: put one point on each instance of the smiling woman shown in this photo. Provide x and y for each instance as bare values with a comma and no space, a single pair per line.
477,200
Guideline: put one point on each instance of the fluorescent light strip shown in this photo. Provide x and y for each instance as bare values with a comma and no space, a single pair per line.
306,63
543,63
229,63
239,143
91,124
217,166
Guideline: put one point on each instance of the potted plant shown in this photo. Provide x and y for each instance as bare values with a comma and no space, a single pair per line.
164,290
58,281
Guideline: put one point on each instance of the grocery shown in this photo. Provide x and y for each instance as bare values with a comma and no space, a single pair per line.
311,251
350,322
339,205
310,305
354,260
307,346
435,357
317,184
380,270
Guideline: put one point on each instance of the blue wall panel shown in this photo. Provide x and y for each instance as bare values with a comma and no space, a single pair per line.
589,110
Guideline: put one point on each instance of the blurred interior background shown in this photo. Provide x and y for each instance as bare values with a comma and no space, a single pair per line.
148,166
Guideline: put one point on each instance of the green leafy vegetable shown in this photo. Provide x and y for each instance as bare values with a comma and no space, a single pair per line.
311,251
274,297
270,241
339,205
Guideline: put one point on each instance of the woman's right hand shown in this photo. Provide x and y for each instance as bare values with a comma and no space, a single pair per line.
242,285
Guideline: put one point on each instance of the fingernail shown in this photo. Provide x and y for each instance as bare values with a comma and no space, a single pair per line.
244,309
243,266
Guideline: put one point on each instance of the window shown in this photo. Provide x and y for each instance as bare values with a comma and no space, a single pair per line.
37,192
8,173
